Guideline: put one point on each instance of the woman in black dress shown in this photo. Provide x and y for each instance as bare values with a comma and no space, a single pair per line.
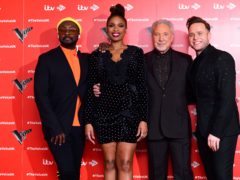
118,115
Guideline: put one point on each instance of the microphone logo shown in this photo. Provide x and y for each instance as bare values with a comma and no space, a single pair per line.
104,31
149,29
22,34
21,135
21,85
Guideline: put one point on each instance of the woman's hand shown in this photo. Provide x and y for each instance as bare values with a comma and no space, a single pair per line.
89,133
142,130
96,90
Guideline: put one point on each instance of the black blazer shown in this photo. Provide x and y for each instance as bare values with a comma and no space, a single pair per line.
168,112
213,77
56,91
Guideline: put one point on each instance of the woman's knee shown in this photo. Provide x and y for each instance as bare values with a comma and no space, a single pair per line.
110,164
124,165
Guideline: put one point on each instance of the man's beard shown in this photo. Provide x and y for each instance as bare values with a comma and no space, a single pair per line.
68,45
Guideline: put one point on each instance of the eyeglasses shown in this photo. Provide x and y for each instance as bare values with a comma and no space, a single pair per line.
69,31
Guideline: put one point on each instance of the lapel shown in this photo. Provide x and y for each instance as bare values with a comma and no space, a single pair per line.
83,70
65,63
203,59
151,71
175,67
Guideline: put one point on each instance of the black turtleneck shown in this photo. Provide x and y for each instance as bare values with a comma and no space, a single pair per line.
162,66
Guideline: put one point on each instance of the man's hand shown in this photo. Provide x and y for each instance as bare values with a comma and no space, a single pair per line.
96,90
142,130
59,139
213,142
89,133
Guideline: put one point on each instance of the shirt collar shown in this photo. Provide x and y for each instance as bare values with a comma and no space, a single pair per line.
204,52
167,54
69,51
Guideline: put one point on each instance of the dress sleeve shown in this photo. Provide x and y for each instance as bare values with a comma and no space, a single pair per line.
93,79
141,85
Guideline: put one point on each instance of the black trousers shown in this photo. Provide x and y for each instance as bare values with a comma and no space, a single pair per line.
179,151
68,156
218,165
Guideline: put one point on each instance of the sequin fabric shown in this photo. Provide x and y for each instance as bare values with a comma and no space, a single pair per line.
116,114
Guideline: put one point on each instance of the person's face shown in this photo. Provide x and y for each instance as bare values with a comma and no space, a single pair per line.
68,34
199,37
162,38
116,29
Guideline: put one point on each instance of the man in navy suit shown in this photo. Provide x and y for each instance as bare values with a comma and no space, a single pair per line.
60,87
213,79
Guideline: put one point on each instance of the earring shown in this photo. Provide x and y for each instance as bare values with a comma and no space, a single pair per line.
78,36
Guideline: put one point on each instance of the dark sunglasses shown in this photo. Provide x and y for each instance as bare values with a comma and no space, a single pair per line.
69,31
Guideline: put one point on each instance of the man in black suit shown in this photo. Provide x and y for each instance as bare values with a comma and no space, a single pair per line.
213,77
60,87
169,121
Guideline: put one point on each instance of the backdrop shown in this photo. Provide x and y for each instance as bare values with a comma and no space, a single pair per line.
28,28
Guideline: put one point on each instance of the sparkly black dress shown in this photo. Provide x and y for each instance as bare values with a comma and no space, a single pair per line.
116,114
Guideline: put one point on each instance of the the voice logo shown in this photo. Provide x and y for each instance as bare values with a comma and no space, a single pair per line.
21,135
60,7
22,34
21,85
104,31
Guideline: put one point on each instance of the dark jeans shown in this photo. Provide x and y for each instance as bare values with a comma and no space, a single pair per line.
68,156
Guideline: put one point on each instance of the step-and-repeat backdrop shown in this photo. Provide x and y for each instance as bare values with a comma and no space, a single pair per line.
28,28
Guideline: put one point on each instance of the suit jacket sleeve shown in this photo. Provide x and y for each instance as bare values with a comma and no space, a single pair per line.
226,77
141,86
189,89
41,92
